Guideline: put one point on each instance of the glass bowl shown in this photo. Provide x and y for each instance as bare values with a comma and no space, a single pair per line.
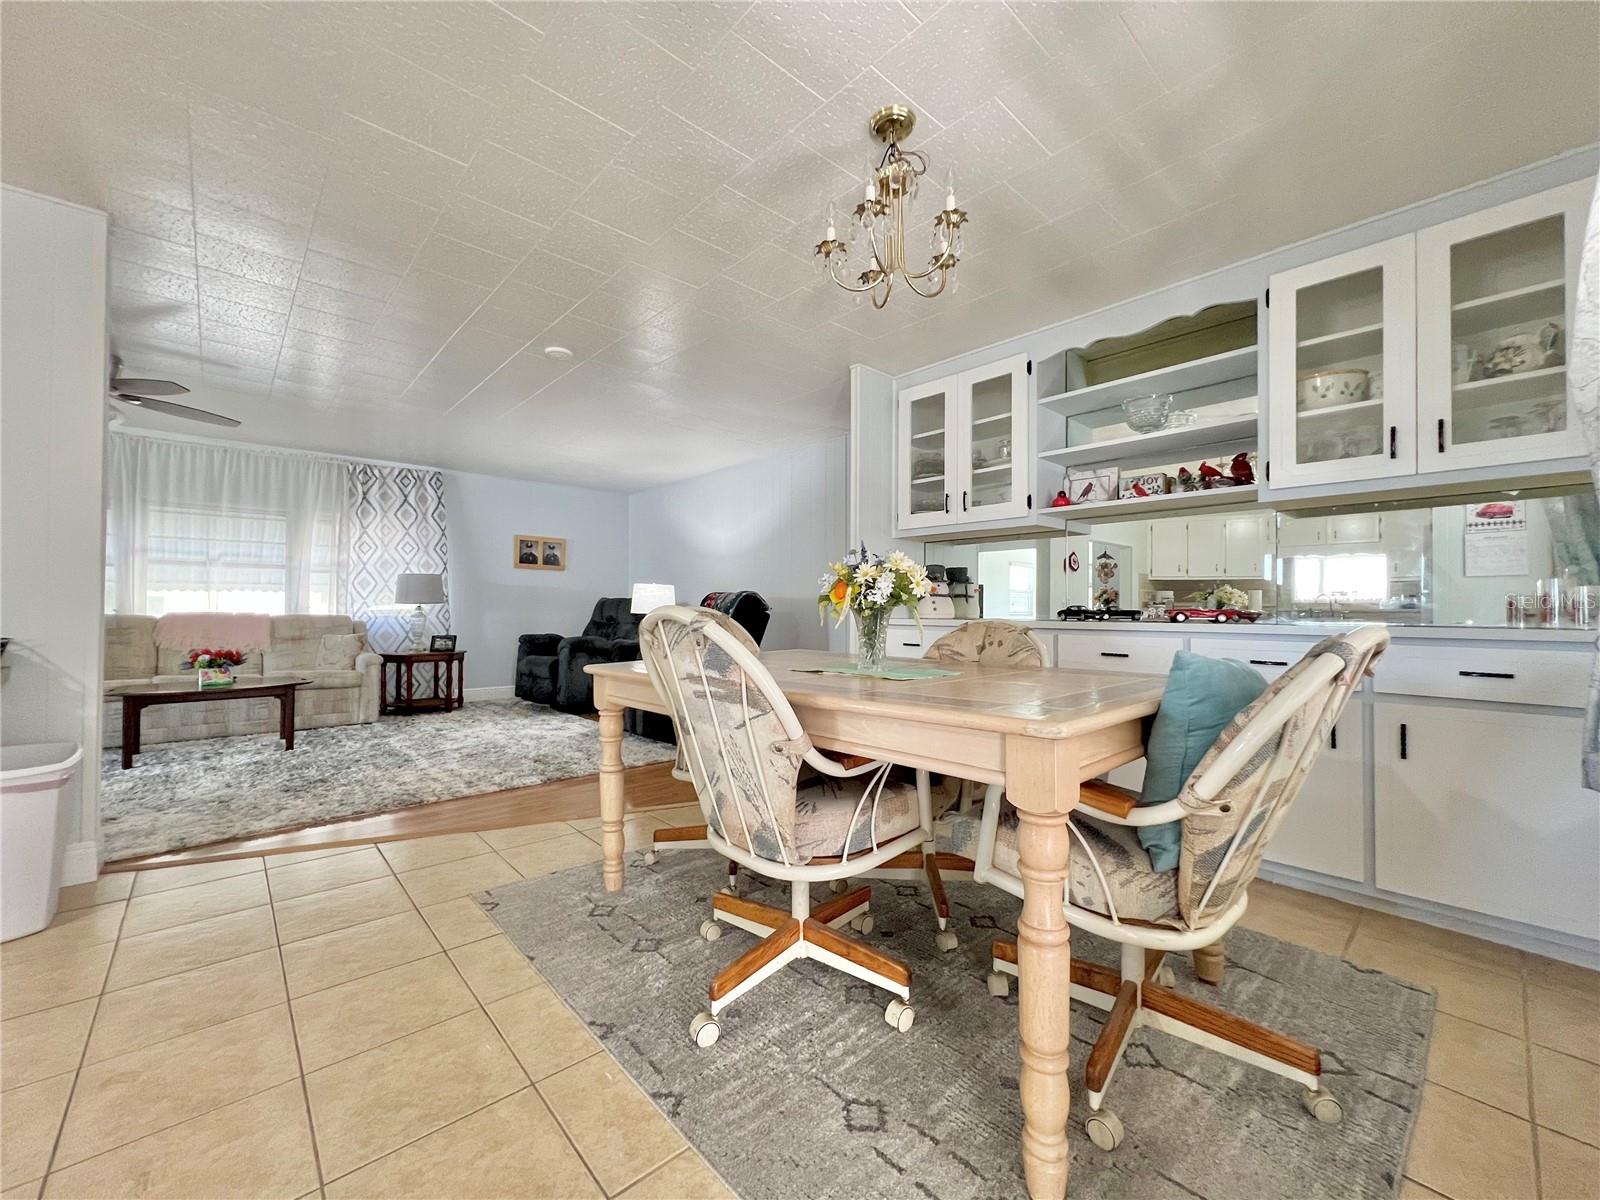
1147,414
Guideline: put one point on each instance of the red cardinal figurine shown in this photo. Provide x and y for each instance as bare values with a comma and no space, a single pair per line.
1240,468
1209,475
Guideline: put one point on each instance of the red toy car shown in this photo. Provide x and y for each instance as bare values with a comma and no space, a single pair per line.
1220,615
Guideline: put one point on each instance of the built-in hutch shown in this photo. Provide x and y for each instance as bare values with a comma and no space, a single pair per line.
1421,356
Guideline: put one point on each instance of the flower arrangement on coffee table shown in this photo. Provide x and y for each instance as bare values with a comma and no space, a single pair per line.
214,668
872,586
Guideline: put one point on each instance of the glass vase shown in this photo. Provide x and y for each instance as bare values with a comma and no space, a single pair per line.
872,636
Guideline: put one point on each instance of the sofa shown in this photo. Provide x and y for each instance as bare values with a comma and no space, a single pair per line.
550,665
335,696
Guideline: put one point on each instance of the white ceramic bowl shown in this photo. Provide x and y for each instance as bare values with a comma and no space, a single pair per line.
1327,389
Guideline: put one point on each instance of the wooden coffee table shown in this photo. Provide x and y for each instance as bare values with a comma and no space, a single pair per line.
136,697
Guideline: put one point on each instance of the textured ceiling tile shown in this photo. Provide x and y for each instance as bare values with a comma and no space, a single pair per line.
622,201
347,329
394,94
977,47
838,130
477,45
1096,165
151,217
229,354
553,131
171,183
222,255
520,186
596,59
742,97
423,293
771,271
319,298
687,30
245,132
673,154
516,310
632,298
986,144
515,380
488,228
347,198
461,261
792,178
826,44
392,164
236,335
148,281
232,313
583,338
213,218
583,241
1184,39
347,276
562,276
734,222
146,251
684,258
362,244
218,285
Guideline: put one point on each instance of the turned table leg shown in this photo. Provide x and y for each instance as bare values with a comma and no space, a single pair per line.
612,800
1209,962
130,733
1041,780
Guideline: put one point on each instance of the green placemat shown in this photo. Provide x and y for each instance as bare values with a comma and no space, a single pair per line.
881,672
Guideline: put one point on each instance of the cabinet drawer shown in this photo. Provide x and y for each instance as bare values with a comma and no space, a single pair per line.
1554,677
910,642
1146,654
1271,656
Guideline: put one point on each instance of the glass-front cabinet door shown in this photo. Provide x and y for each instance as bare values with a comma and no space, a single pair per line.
1341,367
1494,318
993,403
928,435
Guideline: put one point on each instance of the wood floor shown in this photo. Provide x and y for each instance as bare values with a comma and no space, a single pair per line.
563,800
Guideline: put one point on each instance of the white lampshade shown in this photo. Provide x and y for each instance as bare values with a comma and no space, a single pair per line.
419,589
652,595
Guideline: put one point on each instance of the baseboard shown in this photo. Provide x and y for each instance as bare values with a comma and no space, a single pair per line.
491,693
1584,952
80,863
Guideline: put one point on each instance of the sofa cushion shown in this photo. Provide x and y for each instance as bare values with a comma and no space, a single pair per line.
337,651
297,641
130,646
324,678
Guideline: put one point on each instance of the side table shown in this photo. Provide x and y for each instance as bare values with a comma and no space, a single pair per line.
403,698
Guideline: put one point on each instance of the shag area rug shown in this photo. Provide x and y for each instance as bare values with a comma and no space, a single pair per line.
214,789
809,1093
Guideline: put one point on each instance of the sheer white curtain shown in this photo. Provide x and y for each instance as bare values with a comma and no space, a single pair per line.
192,527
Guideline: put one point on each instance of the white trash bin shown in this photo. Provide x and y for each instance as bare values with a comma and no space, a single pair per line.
36,787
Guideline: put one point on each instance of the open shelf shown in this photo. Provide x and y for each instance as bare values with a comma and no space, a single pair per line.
1316,353
1143,506
1541,301
1161,446
1198,373
1509,389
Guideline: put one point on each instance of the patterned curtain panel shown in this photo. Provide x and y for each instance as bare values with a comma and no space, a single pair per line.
395,525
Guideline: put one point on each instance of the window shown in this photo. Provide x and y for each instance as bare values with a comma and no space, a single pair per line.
1363,577
1009,579
205,560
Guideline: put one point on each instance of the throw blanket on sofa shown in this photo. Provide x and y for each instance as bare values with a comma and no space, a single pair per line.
214,631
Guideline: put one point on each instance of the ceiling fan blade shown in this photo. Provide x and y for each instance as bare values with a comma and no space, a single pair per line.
176,410
149,387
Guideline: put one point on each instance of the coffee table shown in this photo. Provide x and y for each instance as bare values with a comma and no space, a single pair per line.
136,697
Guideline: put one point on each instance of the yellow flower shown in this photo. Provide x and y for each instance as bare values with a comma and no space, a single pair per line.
838,592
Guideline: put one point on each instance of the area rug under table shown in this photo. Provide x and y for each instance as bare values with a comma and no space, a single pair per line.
214,789
809,1093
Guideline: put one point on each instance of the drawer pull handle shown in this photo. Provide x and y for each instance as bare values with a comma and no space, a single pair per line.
912,645
1333,738
1404,746
1392,452
1112,654
1268,662
1486,674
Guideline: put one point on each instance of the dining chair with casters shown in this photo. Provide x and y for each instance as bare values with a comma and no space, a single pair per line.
1229,807
986,643
744,748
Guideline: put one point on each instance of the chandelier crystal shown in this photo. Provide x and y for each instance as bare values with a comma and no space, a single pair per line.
882,216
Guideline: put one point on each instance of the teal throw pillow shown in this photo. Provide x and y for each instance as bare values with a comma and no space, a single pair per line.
1203,695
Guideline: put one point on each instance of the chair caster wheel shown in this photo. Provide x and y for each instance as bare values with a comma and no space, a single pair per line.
946,940
1104,1129
650,858
837,886
999,984
704,1030
862,924
1323,1106
710,930
1165,977
899,1015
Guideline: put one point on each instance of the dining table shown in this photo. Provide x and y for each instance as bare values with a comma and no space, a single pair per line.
1040,733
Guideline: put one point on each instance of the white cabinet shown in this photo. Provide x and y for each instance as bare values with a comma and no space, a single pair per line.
1480,808
1355,529
965,448
1169,550
1302,532
1494,319
1325,829
1248,550
1207,548
1341,367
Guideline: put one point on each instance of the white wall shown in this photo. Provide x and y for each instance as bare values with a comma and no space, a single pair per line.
52,527
491,601
770,526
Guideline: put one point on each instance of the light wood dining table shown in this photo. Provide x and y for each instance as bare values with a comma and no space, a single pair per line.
1038,732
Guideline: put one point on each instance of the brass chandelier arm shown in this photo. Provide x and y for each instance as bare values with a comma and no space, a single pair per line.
911,283
833,273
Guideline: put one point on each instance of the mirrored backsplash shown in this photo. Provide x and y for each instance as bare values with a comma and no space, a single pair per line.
1500,560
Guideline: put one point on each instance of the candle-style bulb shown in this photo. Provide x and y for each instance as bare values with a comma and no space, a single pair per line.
830,236
950,189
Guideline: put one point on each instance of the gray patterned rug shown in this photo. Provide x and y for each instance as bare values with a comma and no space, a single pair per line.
809,1093
214,789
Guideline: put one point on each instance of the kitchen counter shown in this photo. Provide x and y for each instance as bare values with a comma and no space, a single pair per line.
1296,627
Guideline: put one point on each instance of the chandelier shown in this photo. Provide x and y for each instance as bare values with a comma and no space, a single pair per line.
882,215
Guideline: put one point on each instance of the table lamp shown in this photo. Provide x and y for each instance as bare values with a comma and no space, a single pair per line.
652,595
419,590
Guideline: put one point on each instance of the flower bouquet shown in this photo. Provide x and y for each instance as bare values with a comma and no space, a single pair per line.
214,667
871,587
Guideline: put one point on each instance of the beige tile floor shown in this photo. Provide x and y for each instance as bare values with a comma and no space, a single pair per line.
347,1023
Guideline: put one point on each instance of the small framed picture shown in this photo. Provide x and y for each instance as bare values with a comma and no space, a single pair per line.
442,641
531,552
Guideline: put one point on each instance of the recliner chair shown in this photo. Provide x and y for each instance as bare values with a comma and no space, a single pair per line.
550,665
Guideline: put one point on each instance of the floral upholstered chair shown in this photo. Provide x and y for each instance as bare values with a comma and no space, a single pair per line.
744,748
1229,807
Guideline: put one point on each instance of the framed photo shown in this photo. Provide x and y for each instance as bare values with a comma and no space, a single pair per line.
442,641
531,552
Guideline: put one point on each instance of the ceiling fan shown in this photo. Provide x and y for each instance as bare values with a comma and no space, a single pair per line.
145,393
